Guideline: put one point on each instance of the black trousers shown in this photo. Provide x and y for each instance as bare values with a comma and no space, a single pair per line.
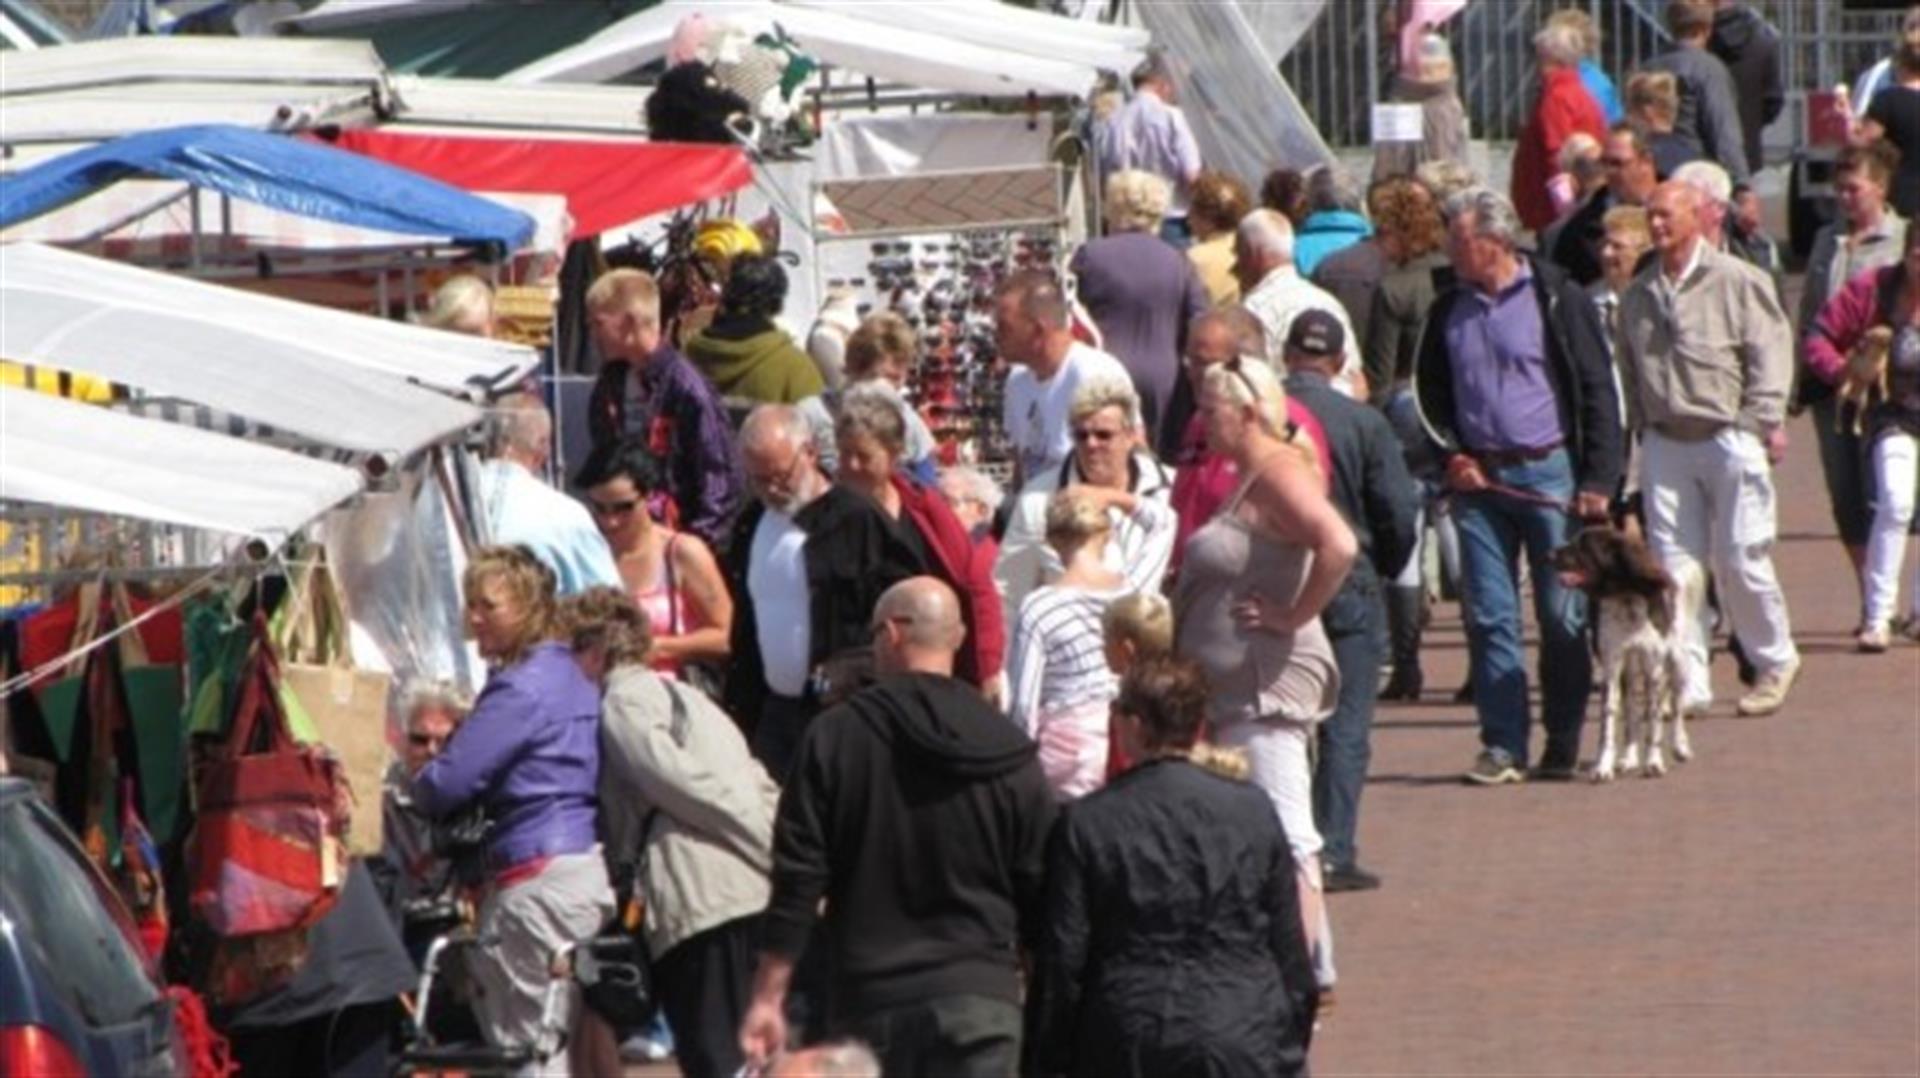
705,983
944,1036
354,1043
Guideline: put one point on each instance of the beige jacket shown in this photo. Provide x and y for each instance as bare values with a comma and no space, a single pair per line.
709,844
1717,351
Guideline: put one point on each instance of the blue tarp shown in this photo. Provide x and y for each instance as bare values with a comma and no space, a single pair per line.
278,171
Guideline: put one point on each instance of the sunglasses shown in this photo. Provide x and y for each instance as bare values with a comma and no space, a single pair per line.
1094,434
613,509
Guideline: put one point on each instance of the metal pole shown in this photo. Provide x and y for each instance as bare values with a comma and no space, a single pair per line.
1374,85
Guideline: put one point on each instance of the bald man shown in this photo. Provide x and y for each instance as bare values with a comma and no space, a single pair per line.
806,566
919,813
1706,359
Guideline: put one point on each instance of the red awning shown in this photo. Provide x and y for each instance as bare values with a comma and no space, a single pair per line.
606,183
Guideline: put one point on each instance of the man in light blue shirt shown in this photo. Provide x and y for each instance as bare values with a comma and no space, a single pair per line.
522,510
1150,133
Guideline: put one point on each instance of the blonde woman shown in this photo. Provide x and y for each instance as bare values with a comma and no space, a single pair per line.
528,756
1140,290
1059,683
464,304
1247,605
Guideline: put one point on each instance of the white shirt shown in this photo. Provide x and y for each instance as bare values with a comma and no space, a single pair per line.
523,511
1278,299
1035,412
782,610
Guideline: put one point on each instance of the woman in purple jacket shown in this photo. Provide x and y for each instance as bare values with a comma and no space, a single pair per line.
528,756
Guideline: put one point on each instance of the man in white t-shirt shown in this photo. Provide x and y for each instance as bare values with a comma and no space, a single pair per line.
1032,329
1273,291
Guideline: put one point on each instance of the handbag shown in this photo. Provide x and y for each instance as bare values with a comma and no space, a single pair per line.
347,708
266,853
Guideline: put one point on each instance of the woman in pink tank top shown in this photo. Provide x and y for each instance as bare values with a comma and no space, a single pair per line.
672,575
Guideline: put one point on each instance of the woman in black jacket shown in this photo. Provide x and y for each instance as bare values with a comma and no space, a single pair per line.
1171,942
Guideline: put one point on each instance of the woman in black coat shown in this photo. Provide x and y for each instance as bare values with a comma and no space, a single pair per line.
1171,942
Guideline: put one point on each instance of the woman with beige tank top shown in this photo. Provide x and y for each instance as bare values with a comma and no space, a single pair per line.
1247,608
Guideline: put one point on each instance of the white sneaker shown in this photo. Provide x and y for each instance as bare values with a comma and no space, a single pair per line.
1770,690
1875,638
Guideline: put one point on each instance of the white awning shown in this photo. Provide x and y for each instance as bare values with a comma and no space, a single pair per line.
971,52
91,459
106,111
130,60
313,372
251,322
484,107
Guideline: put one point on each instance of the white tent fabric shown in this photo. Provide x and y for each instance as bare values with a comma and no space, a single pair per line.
972,53
315,335
125,61
91,459
97,113
484,108
306,373
994,22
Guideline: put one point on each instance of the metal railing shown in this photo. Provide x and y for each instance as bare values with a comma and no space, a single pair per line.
1346,59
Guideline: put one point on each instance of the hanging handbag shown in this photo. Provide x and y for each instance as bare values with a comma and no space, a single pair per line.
266,854
347,708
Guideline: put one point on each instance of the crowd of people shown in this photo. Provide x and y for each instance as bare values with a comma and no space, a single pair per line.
1056,779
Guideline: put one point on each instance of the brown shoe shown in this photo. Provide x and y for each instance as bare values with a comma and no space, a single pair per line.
1770,690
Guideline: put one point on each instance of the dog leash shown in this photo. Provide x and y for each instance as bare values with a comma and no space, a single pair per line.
1521,495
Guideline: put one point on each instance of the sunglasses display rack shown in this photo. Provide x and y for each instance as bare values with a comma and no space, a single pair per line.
942,284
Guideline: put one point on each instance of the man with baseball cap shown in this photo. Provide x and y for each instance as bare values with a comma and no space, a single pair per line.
1375,493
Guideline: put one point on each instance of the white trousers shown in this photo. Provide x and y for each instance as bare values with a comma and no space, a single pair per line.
1710,505
524,924
1896,458
1279,764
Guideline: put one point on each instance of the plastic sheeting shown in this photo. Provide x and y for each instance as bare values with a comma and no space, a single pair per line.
91,459
605,183
854,146
974,53
1244,115
130,325
276,171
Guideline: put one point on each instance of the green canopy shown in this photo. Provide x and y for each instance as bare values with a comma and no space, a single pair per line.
487,40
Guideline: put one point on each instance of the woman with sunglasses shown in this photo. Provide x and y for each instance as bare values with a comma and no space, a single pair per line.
672,575
1247,605
1107,456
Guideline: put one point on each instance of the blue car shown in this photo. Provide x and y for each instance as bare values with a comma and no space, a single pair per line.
78,995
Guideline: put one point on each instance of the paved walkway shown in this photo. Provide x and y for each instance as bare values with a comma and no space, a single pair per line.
1755,912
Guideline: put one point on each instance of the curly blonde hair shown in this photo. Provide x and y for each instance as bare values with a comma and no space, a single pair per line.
1136,201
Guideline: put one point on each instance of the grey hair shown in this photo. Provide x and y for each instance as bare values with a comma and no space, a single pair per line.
1708,178
1560,43
1445,177
522,422
1493,215
1331,187
417,694
1249,334
1267,232
1098,393
975,484
868,410
782,421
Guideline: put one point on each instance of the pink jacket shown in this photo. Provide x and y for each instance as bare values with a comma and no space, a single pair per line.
1860,305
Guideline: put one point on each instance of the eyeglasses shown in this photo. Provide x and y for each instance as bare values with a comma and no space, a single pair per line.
613,509
1095,435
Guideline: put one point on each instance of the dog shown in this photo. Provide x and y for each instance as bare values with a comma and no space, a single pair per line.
1635,612
1864,382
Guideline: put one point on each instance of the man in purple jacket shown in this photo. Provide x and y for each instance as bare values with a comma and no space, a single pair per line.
648,390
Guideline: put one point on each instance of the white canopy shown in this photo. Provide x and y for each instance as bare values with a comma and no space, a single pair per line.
140,60
92,459
453,362
969,48
328,376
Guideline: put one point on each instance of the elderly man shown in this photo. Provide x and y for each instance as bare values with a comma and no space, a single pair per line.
1032,329
521,509
649,391
808,561
919,815
1107,456
1720,224
1377,497
1514,384
1630,169
1273,291
1709,108
1706,360
1150,133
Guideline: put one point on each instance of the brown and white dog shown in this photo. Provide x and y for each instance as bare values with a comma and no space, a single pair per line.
1864,382
1633,601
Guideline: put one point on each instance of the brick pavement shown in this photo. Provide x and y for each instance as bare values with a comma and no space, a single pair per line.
1757,911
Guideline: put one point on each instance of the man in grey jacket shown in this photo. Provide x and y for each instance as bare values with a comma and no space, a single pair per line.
1705,355
1709,110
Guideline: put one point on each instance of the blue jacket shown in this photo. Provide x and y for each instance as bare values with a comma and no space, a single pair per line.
529,755
1324,233
1605,94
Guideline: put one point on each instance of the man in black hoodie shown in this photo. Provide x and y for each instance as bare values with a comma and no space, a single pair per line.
1750,48
919,813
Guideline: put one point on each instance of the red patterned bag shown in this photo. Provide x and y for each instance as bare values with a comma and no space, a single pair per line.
267,852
